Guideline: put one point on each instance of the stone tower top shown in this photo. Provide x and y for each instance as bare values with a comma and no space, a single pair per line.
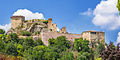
50,19
63,30
50,23
17,21
17,17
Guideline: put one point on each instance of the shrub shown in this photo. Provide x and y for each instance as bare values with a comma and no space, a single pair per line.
26,33
2,31
46,21
38,32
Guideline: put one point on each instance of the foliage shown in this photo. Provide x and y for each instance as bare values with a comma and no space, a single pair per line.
2,31
11,49
38,42
67,56
81,45
111,52
83,56
13,37
26,33
45,21
58,49
38,32
99,59
118,5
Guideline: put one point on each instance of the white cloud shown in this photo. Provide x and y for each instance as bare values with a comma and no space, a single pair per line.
5,27
58,29
28,14
118,38
89,12
106,15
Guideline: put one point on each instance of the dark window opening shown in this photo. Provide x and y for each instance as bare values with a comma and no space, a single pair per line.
93,32
50,29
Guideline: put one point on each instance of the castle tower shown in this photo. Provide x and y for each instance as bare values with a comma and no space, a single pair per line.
93,36
55,27
50,24
63,30
17,21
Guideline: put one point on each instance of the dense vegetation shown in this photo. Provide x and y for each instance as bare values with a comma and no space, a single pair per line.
58,49
26,33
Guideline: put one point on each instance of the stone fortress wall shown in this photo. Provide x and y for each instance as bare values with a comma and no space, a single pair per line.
49,30
47,35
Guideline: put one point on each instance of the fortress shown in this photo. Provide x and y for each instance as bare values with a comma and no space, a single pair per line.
45,29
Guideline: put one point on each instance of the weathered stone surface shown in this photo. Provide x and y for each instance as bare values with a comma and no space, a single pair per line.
47,35
48,30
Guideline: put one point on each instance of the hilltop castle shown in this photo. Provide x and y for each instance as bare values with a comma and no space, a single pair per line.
47,30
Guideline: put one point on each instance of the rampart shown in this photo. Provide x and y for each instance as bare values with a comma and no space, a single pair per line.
47,35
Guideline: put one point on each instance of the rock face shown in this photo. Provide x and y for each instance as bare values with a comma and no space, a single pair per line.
45,29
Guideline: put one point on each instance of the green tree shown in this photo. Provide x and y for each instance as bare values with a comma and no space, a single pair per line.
118,5
2,46
19,49
13,37
67,56
83,56
38,42
26,33
2,31
11,49
81,45
28,42
38,52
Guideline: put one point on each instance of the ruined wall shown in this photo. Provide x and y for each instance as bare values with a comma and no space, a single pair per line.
93,36
55,27
86,35
17,21
47,35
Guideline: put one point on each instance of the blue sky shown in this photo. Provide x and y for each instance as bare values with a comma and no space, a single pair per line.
70,13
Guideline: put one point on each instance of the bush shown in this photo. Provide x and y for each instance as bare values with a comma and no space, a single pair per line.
2,31
46,21
26,33
38,32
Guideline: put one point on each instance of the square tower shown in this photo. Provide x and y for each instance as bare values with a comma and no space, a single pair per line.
63,30
17,21
93,36
55,27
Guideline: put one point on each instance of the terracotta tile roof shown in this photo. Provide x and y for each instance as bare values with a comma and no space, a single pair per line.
92,31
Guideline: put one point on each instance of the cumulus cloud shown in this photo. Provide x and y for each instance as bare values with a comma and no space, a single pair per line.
89,12
106,15
58,29
5,27
28,14
118,38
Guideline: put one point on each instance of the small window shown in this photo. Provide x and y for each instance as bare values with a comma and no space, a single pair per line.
50,29
93,32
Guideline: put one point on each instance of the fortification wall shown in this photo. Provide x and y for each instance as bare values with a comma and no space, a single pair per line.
47,35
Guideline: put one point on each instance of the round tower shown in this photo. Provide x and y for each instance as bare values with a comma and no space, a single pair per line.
17,21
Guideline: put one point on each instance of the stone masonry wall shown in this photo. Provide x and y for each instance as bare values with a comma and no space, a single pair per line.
47,35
